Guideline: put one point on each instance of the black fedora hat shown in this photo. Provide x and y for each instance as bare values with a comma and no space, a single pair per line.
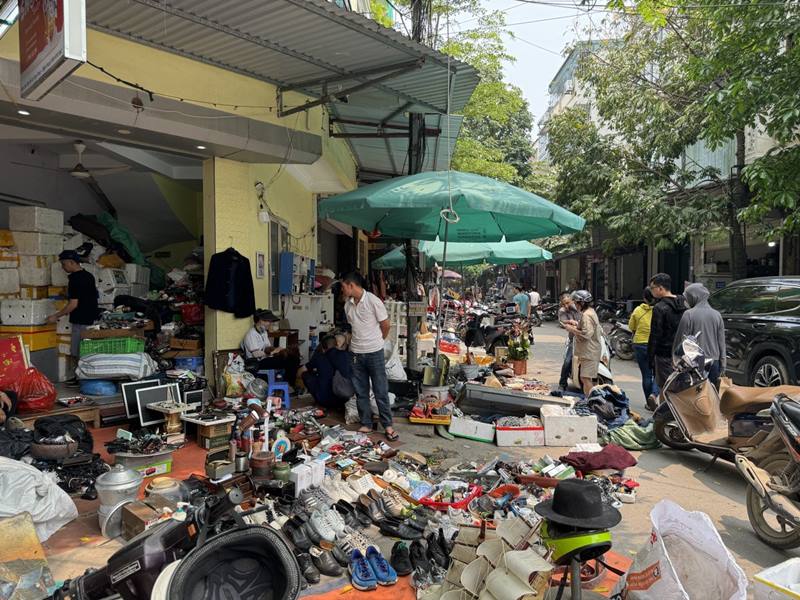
579,503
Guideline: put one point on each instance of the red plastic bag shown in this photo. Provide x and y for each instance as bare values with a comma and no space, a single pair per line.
192,314
35,391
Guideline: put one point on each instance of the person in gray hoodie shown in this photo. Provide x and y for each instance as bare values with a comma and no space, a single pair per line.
702,318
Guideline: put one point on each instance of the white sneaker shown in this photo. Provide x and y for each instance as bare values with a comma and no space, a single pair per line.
337,488
319,521
335,520
362,482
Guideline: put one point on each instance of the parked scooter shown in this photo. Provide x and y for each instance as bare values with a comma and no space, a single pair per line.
621,338
693,416
772,471
604,374
549,312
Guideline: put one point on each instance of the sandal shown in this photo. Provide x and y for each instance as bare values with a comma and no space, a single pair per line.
392,436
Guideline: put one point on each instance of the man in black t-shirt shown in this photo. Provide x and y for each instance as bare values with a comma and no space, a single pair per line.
82,298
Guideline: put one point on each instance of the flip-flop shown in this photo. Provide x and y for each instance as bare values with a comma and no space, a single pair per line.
393,436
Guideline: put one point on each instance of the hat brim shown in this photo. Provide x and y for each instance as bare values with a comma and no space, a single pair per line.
609,518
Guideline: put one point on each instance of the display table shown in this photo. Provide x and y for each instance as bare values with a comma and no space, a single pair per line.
88,413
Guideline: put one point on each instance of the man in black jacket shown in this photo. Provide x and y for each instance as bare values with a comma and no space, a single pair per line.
667,315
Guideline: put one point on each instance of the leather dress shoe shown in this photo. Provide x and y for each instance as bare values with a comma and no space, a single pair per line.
296,533
325,562
348,512
372,508
337,553
313,535
307,568
399,529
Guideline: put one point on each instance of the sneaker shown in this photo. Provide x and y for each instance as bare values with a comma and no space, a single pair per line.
361,574
393,503
401,559
335,520
361,482
321,523
338,555
384,572
353,540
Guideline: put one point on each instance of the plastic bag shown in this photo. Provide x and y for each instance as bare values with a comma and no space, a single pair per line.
35,391
684,558
192,314
26,489
237,383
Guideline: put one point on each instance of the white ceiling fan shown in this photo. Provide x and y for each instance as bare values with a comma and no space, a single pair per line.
79,171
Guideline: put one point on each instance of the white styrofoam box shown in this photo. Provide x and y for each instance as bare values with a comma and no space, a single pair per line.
64,348
106,279
26,312
37,261
563,429
63,326
137,273
66,366
9,258
36,276
301,476
9,281
473,430
779,582
58,276
68,229
107,295
38,243
35,218
74,241
520,436
139,290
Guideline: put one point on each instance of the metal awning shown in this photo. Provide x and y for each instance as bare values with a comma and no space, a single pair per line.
361,70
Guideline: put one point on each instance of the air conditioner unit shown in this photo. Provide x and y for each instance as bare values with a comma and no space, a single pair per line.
710,268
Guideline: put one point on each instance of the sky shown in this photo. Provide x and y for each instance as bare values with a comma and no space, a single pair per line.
538,46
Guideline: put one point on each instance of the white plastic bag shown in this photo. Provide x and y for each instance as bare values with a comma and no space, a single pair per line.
684,559
26,489
351,407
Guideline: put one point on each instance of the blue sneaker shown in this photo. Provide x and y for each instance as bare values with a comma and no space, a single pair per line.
384,573
361,574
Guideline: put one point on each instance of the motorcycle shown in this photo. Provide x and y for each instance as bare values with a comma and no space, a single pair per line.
190,558
549,312
693,415
604,374
621,339
772,470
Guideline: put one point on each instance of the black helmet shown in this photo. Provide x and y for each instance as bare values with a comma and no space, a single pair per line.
581,296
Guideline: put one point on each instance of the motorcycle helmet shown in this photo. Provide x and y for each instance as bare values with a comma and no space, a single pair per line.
581,296
247,563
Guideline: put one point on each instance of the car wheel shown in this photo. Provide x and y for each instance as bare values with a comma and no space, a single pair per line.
769,371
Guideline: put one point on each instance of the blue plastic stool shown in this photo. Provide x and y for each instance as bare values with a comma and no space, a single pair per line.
277,386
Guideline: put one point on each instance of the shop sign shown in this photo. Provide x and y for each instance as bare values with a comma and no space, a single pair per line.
52,43
417,309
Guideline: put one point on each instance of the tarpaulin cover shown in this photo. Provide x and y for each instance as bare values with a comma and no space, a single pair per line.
122,236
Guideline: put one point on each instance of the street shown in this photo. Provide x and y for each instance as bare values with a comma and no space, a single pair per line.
684,477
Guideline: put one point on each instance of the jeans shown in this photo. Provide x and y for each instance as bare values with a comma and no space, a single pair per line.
714,372
566,367
649,386
371,367
75,339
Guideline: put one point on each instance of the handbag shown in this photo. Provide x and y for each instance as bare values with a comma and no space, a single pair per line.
342,386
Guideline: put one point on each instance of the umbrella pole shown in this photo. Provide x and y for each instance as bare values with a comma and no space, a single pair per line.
411,324
439,321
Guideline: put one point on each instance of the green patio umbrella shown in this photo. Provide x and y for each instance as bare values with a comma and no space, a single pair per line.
488,210
496,253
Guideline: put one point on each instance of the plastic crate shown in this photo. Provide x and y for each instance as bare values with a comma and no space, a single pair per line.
124,345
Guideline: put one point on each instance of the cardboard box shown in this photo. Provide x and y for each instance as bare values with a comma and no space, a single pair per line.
38,243
471,429
137,517
9,281
184,344
211,431
35,218
30,292
35,337
522,437
34,261
98,334
38,276
58,276
26,312
566,430
6,238
9,258
210,443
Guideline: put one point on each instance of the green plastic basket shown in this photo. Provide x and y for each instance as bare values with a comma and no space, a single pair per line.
125,345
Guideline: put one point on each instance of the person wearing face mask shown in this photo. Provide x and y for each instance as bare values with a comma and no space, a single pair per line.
257,345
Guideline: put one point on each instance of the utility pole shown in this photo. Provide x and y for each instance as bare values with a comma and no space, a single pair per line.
416,156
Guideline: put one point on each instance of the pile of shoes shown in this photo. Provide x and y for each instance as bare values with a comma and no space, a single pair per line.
370,569
428,560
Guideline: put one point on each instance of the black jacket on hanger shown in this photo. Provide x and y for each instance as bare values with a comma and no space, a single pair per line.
229,285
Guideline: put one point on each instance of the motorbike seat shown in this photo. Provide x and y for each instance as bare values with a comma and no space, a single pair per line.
739,399
792,412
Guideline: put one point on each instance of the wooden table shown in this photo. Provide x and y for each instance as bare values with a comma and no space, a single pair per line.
88,413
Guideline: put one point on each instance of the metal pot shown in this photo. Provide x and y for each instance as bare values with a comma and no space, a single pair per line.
242,462
166,487
120,484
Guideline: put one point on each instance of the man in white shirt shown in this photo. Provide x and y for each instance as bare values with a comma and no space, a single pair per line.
536,300
369,324
257,345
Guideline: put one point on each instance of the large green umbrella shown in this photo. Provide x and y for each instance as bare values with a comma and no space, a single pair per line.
496,253
487,210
